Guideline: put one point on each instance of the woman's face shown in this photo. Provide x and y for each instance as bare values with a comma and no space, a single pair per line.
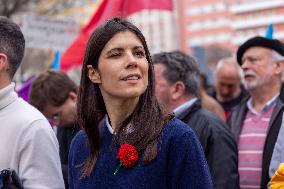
122,69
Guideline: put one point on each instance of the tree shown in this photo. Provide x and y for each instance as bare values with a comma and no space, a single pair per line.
9,7
54,7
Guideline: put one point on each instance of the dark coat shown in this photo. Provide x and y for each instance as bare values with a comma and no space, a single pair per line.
236,120
218,144
64,137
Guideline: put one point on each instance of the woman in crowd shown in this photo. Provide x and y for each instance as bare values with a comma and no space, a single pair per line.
128,139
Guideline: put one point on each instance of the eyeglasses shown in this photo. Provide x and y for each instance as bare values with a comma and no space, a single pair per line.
55,119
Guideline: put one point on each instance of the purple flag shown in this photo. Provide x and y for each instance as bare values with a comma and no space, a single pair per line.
25,89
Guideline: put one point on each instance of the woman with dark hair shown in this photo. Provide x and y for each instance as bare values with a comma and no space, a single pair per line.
128,139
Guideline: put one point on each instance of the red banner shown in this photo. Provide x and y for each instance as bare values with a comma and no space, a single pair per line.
74,54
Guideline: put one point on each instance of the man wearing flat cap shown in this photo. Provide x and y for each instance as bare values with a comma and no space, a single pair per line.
256,121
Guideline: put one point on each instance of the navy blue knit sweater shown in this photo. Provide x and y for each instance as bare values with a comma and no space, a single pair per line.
180,163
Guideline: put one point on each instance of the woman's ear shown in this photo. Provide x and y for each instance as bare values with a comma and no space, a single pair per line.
93,74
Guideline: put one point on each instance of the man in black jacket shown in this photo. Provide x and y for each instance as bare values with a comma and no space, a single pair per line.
255,123
55,95
177,86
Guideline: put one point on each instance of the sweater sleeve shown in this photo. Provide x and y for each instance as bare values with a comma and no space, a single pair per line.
39,165
187,167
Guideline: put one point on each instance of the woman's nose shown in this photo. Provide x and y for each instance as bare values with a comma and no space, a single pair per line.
131,60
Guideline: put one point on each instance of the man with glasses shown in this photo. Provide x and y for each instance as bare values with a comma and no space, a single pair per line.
27,143
55,95
256,121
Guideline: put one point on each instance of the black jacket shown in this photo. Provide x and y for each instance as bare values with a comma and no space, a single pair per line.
64,137
235,122
218,144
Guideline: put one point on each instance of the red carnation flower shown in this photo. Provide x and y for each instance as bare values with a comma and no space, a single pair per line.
128,156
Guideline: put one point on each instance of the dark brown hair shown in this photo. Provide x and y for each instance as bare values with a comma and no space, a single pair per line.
51,88
91,107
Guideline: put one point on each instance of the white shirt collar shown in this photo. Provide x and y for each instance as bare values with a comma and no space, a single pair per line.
129,128
269,103
178,111
108,125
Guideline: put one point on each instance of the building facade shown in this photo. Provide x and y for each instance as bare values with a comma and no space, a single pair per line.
159,28
227,23
252,18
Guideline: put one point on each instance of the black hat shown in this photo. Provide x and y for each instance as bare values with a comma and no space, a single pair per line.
273,44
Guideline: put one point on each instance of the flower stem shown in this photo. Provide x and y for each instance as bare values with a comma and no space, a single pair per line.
118,167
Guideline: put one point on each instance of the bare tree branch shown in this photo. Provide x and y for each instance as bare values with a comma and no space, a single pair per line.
9,7
50,7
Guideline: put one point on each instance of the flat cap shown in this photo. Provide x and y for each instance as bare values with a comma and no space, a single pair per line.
259,41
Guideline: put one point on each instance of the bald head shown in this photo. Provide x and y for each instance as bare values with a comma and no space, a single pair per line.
228,79
230,66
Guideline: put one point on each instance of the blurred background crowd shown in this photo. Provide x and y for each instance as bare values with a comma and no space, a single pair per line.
203,55
207,29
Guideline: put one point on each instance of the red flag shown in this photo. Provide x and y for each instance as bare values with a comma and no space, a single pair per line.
73,56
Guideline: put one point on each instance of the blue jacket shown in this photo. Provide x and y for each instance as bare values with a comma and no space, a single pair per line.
180,163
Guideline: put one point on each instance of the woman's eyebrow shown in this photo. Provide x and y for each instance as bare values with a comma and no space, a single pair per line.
114,50
138,47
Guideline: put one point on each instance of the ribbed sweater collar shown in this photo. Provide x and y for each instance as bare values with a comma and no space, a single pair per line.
7,95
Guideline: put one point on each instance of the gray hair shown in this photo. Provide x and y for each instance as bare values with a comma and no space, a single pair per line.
233,62
276,56
180,67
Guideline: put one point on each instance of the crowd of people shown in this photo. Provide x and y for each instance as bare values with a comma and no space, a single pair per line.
142,120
